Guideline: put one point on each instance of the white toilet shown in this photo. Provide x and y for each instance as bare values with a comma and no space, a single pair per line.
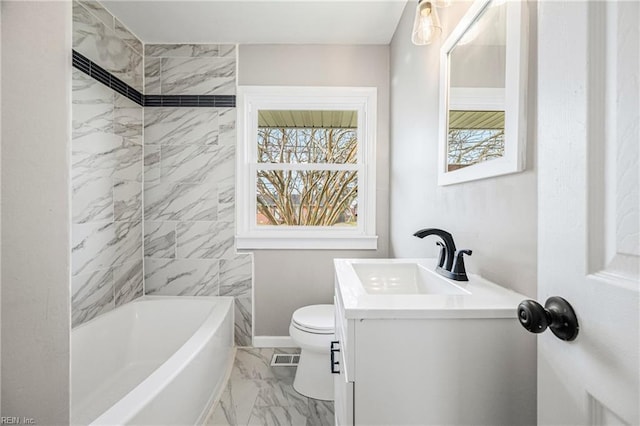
313,328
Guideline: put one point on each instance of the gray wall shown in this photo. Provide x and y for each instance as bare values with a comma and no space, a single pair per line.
189,195
288,279
106,168
36,210
496,217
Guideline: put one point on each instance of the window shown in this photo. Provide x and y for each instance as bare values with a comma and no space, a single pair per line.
474,137
306,168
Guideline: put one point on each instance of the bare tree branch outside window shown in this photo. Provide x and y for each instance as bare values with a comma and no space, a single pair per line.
478,136
306,197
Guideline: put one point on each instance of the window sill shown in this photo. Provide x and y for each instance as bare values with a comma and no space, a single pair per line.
307,243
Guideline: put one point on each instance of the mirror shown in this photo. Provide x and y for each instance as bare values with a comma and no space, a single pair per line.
483,81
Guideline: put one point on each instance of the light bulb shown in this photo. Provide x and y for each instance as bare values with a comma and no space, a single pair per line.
426,26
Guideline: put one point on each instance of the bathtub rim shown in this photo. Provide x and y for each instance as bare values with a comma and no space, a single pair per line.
125,409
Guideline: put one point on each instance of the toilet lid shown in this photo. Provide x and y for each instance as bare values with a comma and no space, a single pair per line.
315,318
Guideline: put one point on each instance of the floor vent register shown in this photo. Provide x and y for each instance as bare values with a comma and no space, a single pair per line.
285,360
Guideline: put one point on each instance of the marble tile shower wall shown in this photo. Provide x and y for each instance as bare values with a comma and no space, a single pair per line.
189,181
107,166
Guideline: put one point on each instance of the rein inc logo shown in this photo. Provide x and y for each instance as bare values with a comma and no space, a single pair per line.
5,420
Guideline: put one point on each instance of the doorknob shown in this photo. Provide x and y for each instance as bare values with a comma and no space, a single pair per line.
557,314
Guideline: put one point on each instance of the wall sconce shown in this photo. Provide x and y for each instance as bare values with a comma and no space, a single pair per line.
426,26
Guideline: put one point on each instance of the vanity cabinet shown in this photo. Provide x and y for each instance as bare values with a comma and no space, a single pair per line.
432,368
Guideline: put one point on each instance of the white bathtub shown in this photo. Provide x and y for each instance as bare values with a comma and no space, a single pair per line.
156,361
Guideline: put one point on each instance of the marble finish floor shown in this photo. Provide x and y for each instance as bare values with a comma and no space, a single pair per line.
259,395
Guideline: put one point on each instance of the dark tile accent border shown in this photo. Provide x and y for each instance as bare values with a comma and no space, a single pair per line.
103,76
96,72
190,100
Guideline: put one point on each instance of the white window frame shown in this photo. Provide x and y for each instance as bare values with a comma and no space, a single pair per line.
251,99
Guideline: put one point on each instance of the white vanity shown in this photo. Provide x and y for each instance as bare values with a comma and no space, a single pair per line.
416,348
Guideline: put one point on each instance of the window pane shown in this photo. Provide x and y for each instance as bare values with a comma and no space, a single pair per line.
307,136
307,198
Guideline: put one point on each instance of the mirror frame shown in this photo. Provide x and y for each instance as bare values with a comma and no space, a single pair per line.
515,99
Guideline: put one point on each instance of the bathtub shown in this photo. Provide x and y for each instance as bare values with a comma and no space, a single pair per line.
156,361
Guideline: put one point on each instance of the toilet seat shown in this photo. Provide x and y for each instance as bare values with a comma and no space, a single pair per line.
316,319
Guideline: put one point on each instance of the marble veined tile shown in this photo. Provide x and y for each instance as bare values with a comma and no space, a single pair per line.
253,364
127,36
121,101
242,326
92,295
274,392
178,201
128,67
275,416
152,76
256,387
95,40
92,247
181,50
226,203
321,413
93,159
129,161
223,168
98,11
227,126
236,403
160,239
128,283
180,126
181,277
86,89
188,163
127,119
236,275
151,162
205,240
127,242
127,201
224,413
92,201
227,50
198,76
92,106
88,30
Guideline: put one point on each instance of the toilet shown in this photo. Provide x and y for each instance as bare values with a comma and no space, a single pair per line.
313,328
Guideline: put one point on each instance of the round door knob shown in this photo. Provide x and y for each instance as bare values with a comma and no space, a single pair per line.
557,315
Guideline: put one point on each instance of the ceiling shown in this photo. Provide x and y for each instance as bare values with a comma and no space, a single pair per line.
293,119
260,21
483,120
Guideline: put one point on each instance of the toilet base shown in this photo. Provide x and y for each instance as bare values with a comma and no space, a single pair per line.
313,376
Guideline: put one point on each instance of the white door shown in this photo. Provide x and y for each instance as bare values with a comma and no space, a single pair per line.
588,195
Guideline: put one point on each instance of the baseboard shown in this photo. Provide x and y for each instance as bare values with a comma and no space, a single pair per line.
273,342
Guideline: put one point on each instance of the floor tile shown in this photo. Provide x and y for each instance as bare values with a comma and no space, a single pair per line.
258,394
276,416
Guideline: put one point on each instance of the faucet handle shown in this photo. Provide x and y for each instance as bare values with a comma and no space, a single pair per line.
459,272
443,254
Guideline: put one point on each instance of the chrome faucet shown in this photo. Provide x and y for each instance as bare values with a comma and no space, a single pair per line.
448,255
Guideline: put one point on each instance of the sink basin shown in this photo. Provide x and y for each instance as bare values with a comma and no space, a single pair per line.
411,288
403,278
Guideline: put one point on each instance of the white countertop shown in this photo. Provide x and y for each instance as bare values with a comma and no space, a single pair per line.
485,299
